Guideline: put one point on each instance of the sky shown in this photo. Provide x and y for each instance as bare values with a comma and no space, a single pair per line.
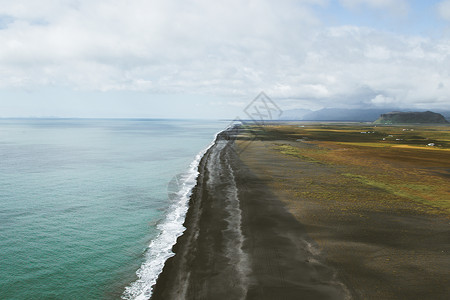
209,59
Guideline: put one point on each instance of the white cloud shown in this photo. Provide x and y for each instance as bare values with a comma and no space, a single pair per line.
396,7
383,100
443,9
232,48
111,45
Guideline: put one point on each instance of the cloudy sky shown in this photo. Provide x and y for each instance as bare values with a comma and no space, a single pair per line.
208,59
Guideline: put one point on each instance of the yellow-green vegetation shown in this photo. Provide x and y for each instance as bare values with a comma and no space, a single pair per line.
392,159
414,135
293,151
382,145
416,192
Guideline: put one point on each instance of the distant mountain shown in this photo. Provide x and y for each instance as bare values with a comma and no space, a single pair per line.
445,113
398,117
338,114
294,114
342,114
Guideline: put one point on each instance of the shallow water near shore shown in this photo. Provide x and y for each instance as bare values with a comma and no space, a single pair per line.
81,200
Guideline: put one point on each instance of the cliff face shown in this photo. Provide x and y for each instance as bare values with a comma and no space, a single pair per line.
398,117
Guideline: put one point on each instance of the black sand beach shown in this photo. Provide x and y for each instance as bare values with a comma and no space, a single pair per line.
241,242
254,233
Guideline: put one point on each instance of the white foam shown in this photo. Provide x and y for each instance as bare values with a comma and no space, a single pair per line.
160,249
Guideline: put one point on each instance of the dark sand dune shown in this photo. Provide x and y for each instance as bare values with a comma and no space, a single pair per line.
241,242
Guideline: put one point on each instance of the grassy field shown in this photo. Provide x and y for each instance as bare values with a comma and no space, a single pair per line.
411,163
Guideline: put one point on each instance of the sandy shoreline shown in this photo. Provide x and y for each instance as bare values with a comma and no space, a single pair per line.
251,234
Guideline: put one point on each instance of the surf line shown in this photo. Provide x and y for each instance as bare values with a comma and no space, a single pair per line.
160,248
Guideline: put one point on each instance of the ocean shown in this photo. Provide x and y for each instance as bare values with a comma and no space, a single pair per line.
90,209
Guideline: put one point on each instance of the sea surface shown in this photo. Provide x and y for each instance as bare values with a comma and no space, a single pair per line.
85,204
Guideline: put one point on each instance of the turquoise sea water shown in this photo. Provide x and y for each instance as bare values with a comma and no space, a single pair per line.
81,201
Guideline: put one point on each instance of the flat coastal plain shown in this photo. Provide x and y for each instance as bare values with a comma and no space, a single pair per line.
317,211
375,199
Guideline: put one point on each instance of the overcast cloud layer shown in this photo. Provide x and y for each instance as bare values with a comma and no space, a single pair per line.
231,49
